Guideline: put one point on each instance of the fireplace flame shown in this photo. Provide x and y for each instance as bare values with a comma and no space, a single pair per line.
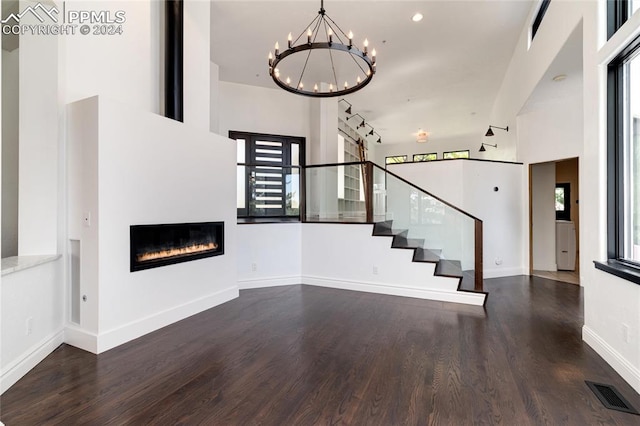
162,254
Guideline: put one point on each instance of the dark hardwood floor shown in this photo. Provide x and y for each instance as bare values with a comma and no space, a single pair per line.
302,355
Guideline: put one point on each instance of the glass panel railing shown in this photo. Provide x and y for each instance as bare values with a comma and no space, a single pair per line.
431,223
336,193
268,191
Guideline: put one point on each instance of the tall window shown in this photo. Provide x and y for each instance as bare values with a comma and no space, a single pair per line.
268,174
618,11
623,215
537,20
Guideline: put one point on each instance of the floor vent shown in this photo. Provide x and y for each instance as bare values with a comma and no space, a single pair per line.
611,398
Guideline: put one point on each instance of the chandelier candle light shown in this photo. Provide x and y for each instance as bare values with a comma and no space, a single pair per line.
336,58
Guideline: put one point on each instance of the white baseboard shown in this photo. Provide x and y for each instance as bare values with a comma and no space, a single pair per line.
503,272
627,370
82,339
466,298
125,333
268,282
21,366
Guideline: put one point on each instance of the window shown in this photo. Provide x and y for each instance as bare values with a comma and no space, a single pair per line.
563,201
395,159
455,154
268,174
544,5
425,157
623,165
618,11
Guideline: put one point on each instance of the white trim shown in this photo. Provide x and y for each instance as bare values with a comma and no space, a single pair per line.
464,297
127,332
626,369
269,282
504,272
15,370
82,339
111,338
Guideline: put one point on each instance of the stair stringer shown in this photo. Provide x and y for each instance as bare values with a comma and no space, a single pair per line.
347,256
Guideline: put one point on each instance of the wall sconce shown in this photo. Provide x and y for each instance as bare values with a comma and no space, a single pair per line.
488,144
490,132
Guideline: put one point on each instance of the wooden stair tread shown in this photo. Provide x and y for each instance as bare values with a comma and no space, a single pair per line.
443,268
401,241
385,229
426,255
449,268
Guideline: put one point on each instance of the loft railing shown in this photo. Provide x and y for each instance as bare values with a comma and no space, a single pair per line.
367,193
363,192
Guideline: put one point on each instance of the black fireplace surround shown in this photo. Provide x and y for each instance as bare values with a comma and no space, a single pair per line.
165,244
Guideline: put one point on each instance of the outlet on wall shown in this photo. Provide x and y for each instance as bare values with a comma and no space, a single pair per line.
625,333
375,270
254,267
29,326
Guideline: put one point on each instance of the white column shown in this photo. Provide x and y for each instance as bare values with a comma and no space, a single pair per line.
38,129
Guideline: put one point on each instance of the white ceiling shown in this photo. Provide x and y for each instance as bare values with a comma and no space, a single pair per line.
441,74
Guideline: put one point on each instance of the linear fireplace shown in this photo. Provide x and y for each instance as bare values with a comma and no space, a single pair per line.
166,244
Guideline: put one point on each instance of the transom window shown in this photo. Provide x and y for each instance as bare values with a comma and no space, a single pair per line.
395,159
452,155
425,157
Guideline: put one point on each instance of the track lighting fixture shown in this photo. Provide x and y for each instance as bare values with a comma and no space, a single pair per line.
490,132
348,110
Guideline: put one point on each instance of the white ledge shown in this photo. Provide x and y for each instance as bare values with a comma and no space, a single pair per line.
18,263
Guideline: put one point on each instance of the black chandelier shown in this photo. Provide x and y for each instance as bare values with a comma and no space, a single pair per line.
327,70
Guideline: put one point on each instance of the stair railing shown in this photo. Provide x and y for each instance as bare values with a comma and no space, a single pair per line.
363,192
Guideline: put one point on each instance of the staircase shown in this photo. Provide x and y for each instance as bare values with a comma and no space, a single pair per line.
444,267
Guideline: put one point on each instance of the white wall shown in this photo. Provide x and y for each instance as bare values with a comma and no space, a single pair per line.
350,258
269,254
552,131
125,67
149,170
469,185
611,304
38,295
38,147
10,153
197,81
543,216
262,110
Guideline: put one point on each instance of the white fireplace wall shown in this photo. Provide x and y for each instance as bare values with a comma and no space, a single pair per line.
150,170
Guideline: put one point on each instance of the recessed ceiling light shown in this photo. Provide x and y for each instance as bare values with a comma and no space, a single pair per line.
559,77
417,17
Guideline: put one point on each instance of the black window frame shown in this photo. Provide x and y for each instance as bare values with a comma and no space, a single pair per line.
423,161
287,141
444,154
404,157
566,213
537,21
617,15
616,95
